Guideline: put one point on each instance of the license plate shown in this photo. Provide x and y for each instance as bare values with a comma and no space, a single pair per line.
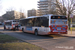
58,28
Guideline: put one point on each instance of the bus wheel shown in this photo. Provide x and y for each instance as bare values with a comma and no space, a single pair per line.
36,32
23,30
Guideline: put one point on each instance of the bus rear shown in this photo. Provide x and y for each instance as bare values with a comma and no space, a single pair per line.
11,24
58,25
7,24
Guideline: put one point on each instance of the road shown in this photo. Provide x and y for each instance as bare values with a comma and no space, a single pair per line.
47,42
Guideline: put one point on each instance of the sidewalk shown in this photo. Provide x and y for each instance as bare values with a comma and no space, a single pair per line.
69,34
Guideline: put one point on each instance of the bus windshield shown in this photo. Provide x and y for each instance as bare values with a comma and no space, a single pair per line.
7,23
15,22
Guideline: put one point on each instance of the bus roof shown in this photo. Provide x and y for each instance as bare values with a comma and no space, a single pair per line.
53,15
30,17
47,15
8,20
41,16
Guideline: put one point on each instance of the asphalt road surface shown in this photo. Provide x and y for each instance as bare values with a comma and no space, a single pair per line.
47,42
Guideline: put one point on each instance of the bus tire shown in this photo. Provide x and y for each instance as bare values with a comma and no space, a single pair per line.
36,32
23,30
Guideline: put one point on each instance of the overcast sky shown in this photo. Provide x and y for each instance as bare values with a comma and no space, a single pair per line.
17,5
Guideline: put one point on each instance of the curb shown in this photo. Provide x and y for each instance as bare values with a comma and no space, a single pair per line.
68,36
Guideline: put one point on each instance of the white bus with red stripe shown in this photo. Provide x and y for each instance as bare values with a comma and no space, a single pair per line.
45,25
10,24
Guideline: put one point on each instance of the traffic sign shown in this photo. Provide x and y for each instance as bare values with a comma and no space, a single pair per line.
71,15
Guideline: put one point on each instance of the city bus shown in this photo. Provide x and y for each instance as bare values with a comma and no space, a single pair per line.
45,25
11,24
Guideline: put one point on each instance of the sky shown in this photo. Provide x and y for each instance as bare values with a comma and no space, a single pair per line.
17,5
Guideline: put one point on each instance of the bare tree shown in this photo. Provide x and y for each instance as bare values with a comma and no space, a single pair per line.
60,8
10,9
9,15
52,11
51,7
70,9
66,6
1,7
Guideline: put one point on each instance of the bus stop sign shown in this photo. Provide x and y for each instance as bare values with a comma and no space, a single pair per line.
71,15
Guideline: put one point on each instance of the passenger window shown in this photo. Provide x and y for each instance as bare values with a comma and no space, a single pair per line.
44,22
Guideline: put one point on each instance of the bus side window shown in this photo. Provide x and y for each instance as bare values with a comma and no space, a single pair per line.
37,22
29,22
33,20
44,22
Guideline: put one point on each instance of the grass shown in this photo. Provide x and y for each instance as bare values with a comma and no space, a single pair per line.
10,43
19,46
6,38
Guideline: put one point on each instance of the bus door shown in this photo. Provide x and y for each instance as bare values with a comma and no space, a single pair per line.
29,25
43,25
38,23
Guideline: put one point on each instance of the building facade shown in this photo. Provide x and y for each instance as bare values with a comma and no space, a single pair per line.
46,7
1,19
10,15
14,14
31,12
